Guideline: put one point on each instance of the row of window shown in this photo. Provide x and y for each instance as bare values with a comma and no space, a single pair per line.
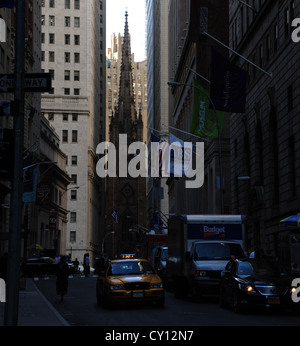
67,39
65,116
67,21
52,4
65,136
67,57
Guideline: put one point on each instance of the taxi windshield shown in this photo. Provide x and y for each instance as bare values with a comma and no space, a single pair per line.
130,268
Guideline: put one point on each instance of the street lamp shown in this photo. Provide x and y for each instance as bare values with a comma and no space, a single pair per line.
176,84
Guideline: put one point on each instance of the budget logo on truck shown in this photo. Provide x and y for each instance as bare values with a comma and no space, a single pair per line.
213,231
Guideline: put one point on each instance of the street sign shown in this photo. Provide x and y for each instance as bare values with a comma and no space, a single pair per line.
34,82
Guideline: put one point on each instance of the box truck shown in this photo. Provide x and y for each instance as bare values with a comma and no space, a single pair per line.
199,247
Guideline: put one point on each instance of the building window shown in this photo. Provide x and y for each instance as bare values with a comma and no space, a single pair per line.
67,74
67,39
77,4
51,116
51,38
43,19
77,57
65,116
73,195
74,136
74,160
67,57
67,91
72,237
67,21
76,92
77,22
77,40
74,178
74,117
67,4
77,75
52,20
73,217
51,56
52,3
65,136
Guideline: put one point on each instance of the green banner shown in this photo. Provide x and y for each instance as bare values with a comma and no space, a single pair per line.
204,122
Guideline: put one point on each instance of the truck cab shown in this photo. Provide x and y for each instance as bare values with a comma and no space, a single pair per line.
209,259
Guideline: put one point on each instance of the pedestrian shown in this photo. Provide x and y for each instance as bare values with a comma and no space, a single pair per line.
76,264
62,277
86,265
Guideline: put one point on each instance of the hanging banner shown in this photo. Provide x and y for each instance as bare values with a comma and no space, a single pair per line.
204,122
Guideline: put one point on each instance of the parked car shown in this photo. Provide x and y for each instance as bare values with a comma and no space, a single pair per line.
129,280
255,282
39,266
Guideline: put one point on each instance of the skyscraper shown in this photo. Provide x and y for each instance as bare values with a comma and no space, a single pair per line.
73,51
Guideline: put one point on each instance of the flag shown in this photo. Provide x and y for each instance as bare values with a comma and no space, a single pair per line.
181,157
228,85
204,121
163,150
30,177
7,3
115,216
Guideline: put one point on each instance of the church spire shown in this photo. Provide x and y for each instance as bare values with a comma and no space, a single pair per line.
126,107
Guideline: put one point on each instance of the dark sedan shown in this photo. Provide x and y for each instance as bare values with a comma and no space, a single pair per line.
255,282
39,266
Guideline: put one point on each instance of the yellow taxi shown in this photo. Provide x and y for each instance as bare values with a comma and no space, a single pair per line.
129,280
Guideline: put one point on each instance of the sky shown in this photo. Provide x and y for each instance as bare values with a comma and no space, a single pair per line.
115,20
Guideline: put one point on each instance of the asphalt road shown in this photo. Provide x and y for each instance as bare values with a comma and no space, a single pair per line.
79,308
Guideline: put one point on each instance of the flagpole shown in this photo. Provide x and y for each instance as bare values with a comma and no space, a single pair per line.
238,54
219,137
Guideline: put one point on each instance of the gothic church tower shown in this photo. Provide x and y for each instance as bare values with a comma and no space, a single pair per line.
125,195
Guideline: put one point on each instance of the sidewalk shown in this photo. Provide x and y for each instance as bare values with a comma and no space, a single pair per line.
35,309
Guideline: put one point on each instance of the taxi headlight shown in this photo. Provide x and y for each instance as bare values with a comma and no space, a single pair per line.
116,287
156,285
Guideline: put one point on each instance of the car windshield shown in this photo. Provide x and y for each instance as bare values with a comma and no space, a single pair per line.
260,267
217,251
130,268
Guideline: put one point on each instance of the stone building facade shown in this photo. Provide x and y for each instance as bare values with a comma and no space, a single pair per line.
189,59
265,140
73,51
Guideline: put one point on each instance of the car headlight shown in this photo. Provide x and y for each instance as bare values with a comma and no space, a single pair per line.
156,285
116,287
246,288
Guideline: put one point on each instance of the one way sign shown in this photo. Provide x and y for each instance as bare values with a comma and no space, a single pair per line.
34,82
